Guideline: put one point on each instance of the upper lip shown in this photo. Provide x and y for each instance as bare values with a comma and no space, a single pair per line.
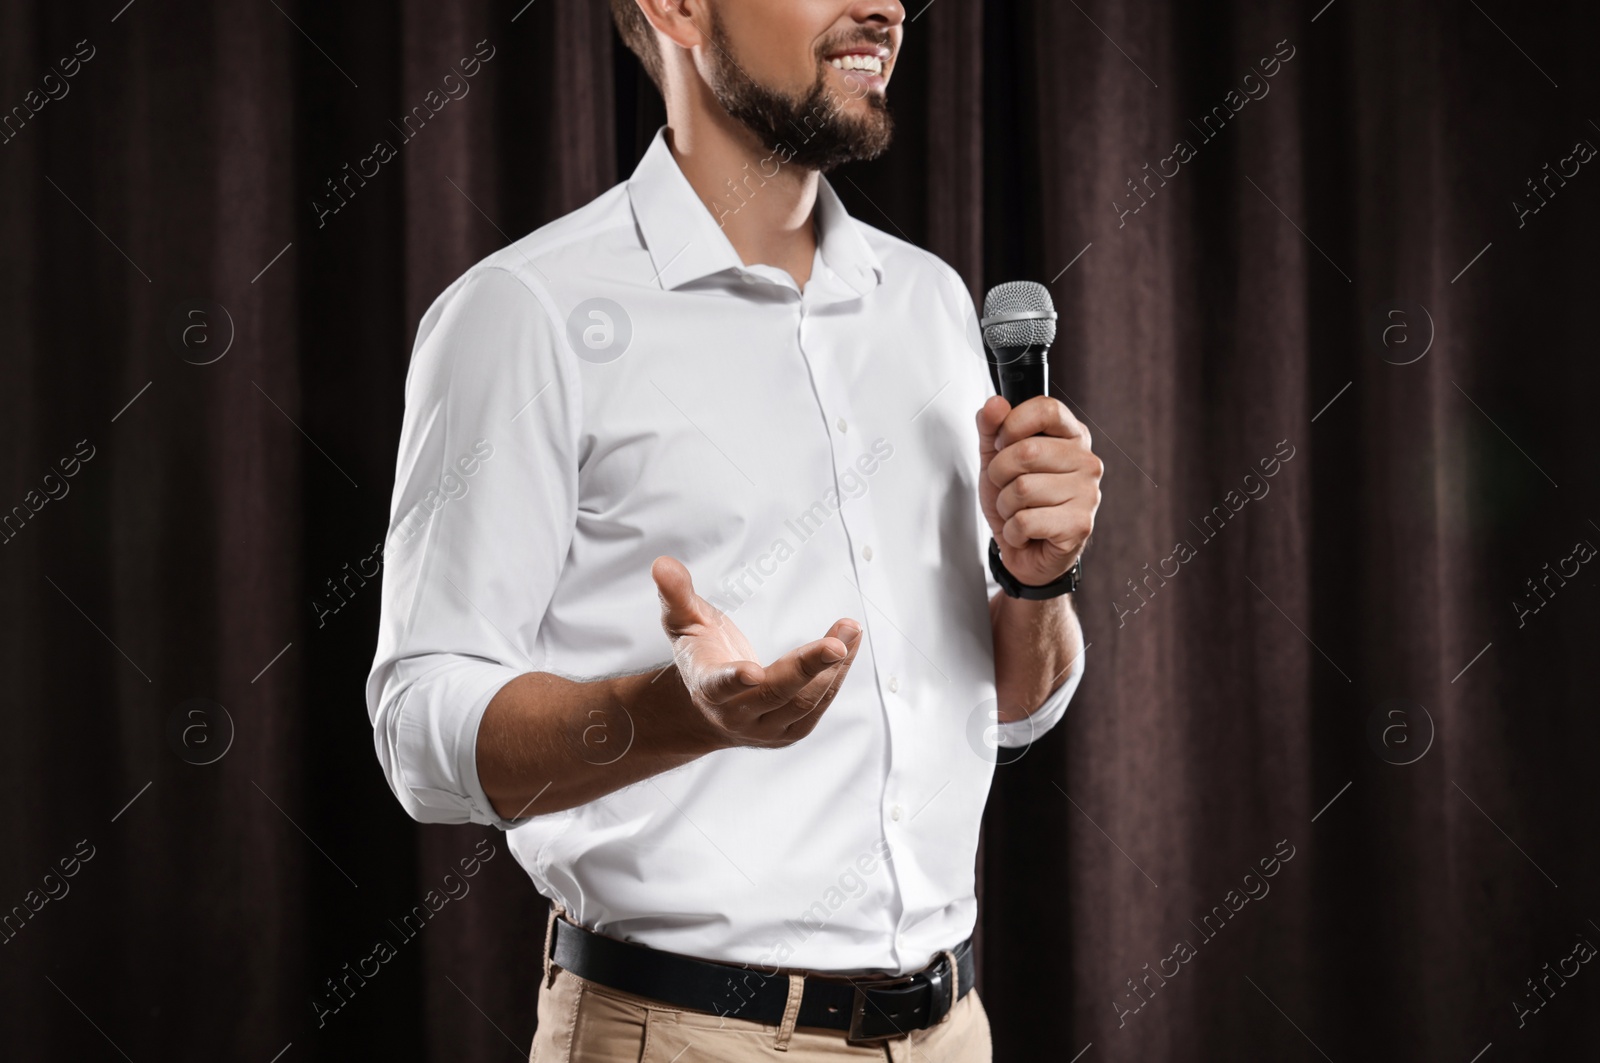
861,49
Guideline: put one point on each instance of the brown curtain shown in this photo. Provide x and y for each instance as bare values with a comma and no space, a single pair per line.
1365,674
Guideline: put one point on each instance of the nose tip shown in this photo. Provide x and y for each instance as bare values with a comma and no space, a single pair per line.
889,12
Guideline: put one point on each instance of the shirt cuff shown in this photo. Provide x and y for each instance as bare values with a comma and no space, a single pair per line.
432,739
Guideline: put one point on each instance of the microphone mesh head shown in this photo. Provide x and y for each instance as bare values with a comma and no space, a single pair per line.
1019,297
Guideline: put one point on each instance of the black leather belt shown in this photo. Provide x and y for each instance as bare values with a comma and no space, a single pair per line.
868,1010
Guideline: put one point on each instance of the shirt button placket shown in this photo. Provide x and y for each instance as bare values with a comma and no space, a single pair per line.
818,343
856,518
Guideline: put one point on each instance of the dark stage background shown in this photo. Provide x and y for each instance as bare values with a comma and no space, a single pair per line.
1362,214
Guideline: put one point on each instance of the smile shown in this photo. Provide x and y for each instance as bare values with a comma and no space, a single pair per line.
871,64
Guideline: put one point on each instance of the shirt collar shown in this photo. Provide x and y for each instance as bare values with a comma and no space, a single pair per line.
686,243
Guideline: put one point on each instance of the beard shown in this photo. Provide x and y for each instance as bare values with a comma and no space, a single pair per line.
815,129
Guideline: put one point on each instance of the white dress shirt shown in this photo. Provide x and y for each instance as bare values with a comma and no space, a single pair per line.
618,385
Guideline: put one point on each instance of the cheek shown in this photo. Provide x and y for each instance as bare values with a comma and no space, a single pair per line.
775,43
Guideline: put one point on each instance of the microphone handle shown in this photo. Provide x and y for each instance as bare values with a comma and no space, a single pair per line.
1024,372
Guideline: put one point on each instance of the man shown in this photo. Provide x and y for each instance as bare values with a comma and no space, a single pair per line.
712,368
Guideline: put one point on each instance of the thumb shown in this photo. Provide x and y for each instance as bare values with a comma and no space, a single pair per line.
680,606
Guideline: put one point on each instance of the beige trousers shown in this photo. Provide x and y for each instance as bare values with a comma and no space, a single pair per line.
583,1022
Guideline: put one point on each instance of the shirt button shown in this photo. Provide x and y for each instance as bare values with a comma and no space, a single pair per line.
866,552
894,813
748,278
843,427
894,684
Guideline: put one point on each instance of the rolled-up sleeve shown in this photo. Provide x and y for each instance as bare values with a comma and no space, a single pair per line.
481,519
1013,733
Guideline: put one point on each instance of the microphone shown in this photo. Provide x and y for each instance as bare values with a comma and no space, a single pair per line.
1019,325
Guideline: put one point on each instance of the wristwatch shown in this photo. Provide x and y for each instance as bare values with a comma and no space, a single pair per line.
1067,583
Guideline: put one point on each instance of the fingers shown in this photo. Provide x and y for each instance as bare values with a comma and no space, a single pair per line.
784,679
746,684
790,673
1041,454
1034,490
778,705
680,607
1067,527
1042,413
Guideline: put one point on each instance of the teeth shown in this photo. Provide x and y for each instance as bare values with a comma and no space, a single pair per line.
869,63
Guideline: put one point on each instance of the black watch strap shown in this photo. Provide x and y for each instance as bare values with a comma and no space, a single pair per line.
1067,583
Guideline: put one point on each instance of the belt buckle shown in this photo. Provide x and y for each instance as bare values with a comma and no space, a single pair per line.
861,1019
870,1023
